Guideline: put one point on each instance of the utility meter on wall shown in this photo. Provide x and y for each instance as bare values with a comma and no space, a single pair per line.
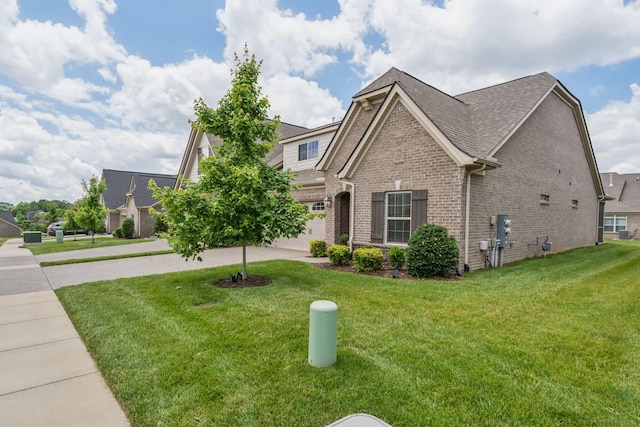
504,229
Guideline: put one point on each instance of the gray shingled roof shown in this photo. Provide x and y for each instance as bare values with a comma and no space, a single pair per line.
475,122
495,111
8,217
141,192
118,183
626,190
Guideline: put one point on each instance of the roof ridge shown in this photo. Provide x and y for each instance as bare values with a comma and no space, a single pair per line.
505,83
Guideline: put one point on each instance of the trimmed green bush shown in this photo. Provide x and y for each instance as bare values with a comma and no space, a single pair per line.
367,259
431,252
318,248
396,257
344,239
128,228
338,254
117,233
159,226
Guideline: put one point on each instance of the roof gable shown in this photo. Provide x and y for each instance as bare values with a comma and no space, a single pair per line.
7,217
497,111
625,189
120,183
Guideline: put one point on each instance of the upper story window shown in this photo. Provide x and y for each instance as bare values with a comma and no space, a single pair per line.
308,150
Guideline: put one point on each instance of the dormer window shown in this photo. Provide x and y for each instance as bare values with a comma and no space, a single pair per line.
308,150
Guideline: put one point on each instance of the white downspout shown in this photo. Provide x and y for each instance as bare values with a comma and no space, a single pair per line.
467,213
352,205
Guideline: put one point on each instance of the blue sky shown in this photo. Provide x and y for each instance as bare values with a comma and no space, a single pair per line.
87,85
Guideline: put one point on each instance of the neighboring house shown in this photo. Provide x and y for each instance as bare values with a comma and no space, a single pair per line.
407,154
622,215
300,153
312,192
128,196
8,226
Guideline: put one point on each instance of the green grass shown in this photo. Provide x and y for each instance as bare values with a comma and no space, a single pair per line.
2,240
103,258
544,342
50,246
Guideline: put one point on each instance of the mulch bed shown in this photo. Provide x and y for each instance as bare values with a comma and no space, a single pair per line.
249,282
387,271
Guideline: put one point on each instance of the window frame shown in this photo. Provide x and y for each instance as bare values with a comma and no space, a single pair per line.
404,204
310,150
614,227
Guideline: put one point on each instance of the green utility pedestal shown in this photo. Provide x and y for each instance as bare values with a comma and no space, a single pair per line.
59,236
323,333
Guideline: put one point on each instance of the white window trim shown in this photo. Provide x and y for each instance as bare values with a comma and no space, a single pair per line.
307,144
387,217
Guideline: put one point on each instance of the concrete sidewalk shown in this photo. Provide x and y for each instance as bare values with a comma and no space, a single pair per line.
48,377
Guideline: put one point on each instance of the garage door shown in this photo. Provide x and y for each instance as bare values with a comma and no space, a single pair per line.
314,230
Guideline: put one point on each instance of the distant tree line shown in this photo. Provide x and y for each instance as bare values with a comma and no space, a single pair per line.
36,216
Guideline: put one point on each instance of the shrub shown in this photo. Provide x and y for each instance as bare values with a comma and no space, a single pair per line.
367,259
396,257
159,226
338,254
318,248
431,252
117,233
128,228
344,239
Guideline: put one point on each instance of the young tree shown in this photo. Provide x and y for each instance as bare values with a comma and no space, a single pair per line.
89,212
239,199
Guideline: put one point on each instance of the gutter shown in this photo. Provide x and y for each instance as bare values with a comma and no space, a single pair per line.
352,204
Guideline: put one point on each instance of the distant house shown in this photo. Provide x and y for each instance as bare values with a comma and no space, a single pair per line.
8,226
407,154
622,215
128,196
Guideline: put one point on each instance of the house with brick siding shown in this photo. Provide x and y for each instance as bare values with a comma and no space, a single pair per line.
622,213
298,149
128,196
407,154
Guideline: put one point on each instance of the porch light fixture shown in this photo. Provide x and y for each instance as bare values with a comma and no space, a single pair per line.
328,200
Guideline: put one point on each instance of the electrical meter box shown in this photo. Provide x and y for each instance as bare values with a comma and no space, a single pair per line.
503,230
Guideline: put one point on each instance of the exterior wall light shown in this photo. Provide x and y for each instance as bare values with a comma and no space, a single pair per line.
328,200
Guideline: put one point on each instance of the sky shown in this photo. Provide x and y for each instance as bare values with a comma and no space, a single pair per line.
87,85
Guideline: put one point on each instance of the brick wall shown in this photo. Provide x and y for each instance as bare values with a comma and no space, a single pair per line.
404,151
545,156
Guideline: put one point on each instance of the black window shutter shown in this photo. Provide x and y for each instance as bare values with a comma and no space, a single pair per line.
418,209
377,217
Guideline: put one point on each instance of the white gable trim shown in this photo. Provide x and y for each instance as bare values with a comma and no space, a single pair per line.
397,95
336,141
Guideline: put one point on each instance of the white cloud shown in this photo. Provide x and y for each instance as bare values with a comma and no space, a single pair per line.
302,103
615,134
35,53
473,43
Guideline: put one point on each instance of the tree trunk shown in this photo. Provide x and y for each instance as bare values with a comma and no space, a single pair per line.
244,259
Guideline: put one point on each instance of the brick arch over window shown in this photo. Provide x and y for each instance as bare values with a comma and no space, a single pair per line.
378,217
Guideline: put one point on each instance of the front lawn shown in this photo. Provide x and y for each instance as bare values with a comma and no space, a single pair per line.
544,342
50,246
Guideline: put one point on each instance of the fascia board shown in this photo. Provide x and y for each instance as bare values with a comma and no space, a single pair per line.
336,141
313,134
398,95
